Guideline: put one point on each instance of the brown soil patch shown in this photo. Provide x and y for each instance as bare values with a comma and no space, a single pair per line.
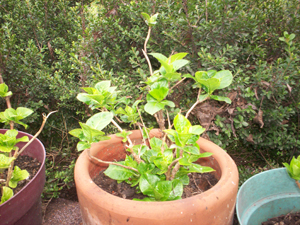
288,219
198,184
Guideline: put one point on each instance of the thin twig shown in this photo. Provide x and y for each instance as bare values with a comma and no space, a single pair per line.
17,152
178,83
37,134
111,163
195,104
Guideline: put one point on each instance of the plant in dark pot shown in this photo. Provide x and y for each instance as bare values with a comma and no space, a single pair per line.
20,188
157,163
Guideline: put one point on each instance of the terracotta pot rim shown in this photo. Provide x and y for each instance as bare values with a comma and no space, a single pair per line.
227,166
38,172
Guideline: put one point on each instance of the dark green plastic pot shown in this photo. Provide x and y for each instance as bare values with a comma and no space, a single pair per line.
266,195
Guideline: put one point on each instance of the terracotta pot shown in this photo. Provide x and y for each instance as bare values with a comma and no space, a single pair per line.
24,208
212,207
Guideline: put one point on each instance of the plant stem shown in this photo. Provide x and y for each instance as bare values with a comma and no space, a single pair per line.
111,163
136,157
195,104
17,152
145,51
168,173
298,183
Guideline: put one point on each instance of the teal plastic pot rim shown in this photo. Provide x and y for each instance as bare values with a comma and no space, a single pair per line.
265,195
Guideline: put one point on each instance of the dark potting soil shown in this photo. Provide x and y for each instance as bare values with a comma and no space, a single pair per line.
25,163
198,184
288,219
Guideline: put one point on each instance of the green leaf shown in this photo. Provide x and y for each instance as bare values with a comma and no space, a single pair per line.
82,145
5,161
4,90
180,63
221,98
76,133
177,190
100,120
177,56
184,161
148,183
159,94
156,144
293,168
181,124
163,190
196,168
211,84
191,149
103,86
146,17
118,172
196,129
7,193
172,76
225,77
17,176
124,135
145,167
23,112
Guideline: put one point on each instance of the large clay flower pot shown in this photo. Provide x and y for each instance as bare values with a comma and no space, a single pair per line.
24,208
266,195
212,207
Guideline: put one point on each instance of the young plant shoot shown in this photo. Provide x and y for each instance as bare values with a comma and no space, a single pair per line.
293,169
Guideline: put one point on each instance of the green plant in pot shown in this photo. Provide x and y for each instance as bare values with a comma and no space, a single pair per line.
159,166
14,143
160,170
293,169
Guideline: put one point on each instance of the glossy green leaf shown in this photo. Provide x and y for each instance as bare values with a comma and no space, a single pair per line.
100,120
4,90
200,169
179,64
181,124
177,56
17,176
5,161
293,168
196,129
221,98
7,193
148,183
118,172
163,190
191,149
177,190
225,77
82,145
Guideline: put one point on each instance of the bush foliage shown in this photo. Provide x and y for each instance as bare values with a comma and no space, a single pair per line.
50,49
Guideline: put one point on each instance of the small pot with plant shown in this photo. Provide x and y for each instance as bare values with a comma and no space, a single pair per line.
20,188
271,196
158,163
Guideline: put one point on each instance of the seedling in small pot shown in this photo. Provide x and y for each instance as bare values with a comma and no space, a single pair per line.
293,169
158,170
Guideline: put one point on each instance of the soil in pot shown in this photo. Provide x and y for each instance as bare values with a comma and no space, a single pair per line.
30,164
288,219
198,184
